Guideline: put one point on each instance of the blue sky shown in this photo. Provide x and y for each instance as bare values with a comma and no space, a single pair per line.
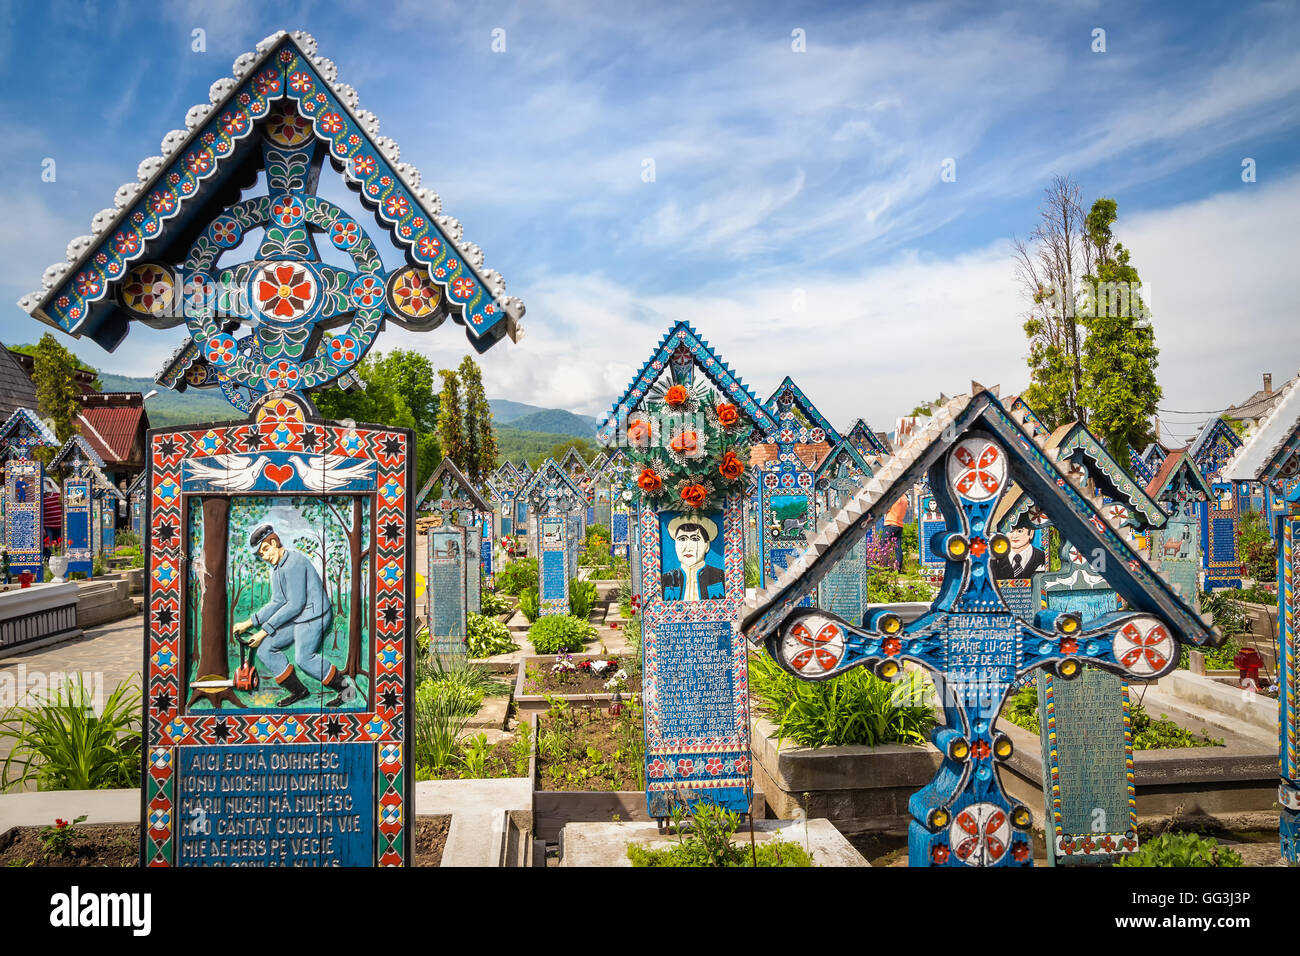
778,175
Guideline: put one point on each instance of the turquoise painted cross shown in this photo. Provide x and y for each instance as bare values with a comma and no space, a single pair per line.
974,648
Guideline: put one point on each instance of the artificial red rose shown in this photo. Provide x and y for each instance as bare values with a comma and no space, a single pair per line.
675,396
731,467
728,415
649,482
685,443
694,495
638,432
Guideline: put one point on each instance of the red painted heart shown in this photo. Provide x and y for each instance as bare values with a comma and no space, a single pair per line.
279,474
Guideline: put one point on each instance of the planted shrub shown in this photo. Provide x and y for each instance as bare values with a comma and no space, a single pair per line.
855,708
493,603
1181,849
62,745
560,634
708,843
530,604
1022,709
517,576
439,720
486,636
582,598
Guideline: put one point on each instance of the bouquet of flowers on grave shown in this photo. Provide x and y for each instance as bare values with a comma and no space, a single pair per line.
689,448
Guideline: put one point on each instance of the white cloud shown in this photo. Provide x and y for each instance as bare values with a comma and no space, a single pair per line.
877,342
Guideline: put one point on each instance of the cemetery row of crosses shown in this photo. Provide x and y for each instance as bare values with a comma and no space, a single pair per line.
312,617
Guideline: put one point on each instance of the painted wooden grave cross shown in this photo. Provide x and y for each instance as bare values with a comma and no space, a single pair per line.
506,481
24,492
615,480
970,642
838,478
1180,490
1271,456
866,442
135,495
280,567
454,546
581,473
77,459
105,496
1212,448
554,498
685,419
1087,749
786,514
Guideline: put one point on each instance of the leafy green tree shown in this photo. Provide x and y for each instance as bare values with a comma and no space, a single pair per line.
54,374
1119,389
398,391
1049,267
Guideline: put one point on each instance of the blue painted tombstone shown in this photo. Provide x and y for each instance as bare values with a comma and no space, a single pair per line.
866,442
1087,747
972,644
196,241
485,550
24,539
690,553
450,499
1139,468
1180,490
840,476
786,511
613,498
929,522
508,481
578,470
553,498
135,496
1271,457
77,460
446,597
105,497
1212,448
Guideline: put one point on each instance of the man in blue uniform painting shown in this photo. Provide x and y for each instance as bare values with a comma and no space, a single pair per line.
299,614
696,579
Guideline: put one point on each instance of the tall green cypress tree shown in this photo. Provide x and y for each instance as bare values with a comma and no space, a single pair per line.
451,418
480,439
1119,349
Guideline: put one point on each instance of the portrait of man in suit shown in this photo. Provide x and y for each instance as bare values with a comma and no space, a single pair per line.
1022,561
698,575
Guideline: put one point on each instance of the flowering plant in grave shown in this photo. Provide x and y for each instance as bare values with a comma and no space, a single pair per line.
564,670
688,448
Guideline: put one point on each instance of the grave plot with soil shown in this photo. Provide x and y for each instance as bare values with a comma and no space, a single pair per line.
589,767
79,845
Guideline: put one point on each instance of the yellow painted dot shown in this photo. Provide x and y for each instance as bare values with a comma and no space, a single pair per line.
1003,748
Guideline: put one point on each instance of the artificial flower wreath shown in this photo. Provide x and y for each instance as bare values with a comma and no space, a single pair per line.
688,448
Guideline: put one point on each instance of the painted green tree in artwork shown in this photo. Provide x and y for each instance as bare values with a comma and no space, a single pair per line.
1119,350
